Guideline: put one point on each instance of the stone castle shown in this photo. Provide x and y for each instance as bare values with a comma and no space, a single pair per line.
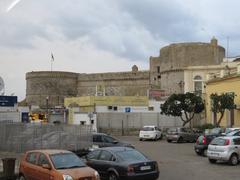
164,74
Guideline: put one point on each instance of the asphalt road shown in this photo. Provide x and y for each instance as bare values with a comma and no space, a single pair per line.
179,161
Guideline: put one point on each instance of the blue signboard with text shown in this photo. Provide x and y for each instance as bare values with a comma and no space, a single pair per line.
127,109
8,101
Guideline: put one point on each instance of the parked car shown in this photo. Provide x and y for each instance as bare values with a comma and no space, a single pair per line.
224,149
204,140
122,163
103,140
54,164
150,132
234,133
230,130
181,134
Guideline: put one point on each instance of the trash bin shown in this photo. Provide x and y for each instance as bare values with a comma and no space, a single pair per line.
9,167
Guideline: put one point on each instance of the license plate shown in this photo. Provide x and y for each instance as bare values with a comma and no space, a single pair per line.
146,136
197,150
143,168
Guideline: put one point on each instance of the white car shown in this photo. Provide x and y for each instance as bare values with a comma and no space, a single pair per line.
150,132
224,149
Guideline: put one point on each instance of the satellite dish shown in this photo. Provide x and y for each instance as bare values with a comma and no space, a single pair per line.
1,86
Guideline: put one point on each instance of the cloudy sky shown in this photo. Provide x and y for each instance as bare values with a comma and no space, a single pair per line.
104,35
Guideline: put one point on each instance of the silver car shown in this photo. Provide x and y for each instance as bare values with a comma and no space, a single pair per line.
224,149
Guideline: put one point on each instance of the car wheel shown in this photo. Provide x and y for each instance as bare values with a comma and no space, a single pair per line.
213,161
198,153
233,160
161,137
180,140
169,140
21,177
204,153
113,176
156,138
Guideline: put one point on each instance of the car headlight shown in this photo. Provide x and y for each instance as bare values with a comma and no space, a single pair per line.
67,177
97,175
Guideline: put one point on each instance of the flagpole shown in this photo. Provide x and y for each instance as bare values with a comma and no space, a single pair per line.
51,64
52,59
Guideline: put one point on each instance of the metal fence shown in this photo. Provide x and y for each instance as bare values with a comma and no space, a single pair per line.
20,137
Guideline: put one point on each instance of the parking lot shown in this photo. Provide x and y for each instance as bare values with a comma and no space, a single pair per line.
176,161
179,161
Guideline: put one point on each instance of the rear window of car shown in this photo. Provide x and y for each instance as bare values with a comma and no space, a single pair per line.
216,131
172,130
148,128
218,141
131,155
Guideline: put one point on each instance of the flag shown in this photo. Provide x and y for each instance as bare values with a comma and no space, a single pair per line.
52,56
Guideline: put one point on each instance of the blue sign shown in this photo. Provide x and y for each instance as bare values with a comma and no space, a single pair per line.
127,109
8,101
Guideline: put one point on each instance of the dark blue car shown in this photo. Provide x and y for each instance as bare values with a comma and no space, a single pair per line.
117,163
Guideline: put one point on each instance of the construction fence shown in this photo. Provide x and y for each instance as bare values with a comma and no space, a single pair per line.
20,137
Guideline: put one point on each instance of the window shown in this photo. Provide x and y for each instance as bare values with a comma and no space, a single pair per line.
42,160
131,155
198,83
151,108
105,156
32,158
108,139
97,138
158,69
115,108
93,155
66,161
236,141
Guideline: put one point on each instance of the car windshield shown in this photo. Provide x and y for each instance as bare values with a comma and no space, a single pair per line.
148,129
218,141
131,155
232,133
66,161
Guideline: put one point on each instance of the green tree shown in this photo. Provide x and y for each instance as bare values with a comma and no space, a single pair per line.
184,106
219,103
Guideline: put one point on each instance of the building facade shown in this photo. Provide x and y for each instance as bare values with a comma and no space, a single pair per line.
224,82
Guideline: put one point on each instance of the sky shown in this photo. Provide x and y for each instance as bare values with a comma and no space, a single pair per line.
90,36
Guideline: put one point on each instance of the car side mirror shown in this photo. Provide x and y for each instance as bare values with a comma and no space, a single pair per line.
46,166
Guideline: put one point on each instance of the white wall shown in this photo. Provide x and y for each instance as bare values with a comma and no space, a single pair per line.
84,117
156,105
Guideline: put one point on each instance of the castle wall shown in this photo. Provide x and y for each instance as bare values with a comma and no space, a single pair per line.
114,84
54,85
